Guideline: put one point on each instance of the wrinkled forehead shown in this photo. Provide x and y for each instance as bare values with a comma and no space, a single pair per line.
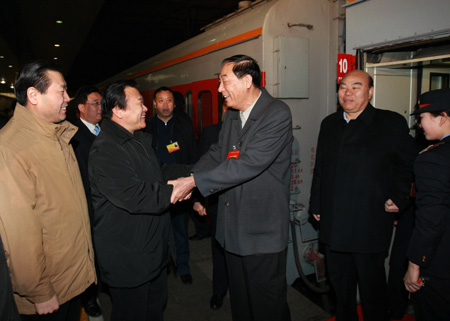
355,78
227,70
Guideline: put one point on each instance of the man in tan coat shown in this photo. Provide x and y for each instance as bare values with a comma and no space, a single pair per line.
44,221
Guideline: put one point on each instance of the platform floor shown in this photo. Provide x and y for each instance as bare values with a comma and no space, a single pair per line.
191,302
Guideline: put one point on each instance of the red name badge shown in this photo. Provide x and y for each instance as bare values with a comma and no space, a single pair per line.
233,154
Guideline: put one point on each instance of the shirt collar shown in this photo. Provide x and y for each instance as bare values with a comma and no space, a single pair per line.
90,126
366,116
246,113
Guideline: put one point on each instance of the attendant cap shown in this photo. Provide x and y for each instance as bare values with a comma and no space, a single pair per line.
434,100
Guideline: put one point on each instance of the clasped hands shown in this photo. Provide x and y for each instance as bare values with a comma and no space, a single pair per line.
182,188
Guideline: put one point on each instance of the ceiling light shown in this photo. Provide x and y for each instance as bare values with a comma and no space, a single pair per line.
59,21
12,86
3,81
10,66
1,57
57,45
55,58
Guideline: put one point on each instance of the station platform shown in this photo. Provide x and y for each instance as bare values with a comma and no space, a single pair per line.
191,302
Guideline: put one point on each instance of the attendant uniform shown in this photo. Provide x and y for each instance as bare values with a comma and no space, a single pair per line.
430,243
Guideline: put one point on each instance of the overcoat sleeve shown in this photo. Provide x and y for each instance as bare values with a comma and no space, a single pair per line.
263,147
21,230
433,207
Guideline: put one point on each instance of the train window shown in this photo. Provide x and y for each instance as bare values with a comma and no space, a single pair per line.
439,80
188,102
205,105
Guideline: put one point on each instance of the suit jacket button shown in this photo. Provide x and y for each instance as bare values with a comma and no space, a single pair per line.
227,204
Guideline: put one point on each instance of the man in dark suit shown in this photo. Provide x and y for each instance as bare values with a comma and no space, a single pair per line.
174,142
250,166
88,101
209,136
429,248
362,175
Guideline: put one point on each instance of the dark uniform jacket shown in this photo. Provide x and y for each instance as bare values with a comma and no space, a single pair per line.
130,198
253,213
430,243
359,166
182,132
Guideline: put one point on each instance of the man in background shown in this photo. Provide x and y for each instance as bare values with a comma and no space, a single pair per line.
174,143
88,101
44,222
208,207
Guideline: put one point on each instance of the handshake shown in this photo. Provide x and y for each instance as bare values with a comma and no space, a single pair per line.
182,188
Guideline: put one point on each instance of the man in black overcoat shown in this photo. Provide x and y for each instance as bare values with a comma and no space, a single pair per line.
132,233
362,175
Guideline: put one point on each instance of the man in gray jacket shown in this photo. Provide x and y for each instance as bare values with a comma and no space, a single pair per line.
250,167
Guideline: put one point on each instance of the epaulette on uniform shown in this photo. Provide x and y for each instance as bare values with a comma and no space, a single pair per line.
431,147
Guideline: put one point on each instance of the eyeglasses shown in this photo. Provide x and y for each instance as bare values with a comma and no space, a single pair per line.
94,103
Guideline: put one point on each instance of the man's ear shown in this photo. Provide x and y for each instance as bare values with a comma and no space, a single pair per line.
444,118
118,112
81,108
370,93
33,95
248,81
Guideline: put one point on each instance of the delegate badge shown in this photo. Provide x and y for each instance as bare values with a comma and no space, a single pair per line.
233,154
173,147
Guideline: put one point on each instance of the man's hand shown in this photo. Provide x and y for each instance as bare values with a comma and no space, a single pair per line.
317,217
200,209
390,207
182,188
47,307
411,279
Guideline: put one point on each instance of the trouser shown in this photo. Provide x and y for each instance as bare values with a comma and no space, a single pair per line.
348,270
220,272
258,287
179,222
144,303
69,311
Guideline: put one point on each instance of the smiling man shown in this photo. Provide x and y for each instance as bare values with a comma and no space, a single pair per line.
130,200
249,168
44,219
362,175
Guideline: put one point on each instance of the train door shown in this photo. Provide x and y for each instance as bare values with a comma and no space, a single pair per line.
205,106
400,77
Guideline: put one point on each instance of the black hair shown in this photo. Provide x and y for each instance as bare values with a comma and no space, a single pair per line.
33,74
245,65
114,95
83,93
157,91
